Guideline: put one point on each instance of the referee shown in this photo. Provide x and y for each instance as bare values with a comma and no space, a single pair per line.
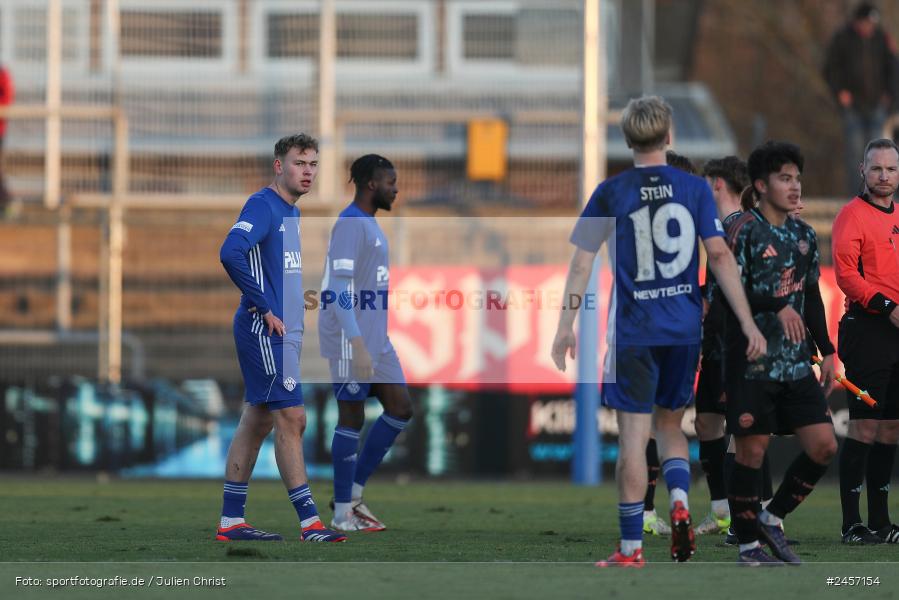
865,235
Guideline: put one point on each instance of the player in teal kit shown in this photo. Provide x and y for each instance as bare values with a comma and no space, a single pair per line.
353,336
655,213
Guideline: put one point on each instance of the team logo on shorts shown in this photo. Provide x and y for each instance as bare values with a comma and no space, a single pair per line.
289,384
803,247
353,387
746,420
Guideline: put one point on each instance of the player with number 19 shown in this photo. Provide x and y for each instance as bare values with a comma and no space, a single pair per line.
655,213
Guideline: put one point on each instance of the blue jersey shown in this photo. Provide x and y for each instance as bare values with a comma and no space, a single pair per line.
262,256
357,267
658,212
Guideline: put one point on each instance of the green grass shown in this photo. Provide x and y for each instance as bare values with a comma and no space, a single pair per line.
469,539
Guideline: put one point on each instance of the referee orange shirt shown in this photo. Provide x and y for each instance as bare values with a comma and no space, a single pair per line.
865,257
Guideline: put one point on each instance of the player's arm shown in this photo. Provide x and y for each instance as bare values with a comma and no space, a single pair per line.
346,246
816,319
250,229
593,228
727,277
575,285
346,316
847,239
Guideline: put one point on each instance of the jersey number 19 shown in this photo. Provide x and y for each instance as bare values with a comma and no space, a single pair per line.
649,234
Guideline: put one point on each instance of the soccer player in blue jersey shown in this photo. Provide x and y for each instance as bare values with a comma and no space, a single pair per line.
353,336
262,256
655,213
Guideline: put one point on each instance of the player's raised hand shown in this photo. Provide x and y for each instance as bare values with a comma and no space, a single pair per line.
362,365
757,345
274,324
792,323
565,342
828,374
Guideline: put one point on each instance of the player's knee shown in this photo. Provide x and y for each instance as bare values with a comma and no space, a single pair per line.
401,409
824,451
351,414
863,430
702,426
291,421
751,455
888,432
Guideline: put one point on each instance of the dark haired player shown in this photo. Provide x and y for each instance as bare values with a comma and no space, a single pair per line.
727,177
777,393
354,339
268,330
866,263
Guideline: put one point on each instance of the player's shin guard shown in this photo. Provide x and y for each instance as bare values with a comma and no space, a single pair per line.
798,483
853,463
743,497
711,457
652,464
880,468
378,442
344,449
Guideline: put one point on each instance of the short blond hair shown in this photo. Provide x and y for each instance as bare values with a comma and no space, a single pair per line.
646,122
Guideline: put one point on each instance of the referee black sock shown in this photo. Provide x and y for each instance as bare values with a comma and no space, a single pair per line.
880,468
743,497
853,460
711,457
798,483
767,484
652,463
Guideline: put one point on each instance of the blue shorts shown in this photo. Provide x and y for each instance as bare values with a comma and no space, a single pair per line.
262,362
649,376
387,370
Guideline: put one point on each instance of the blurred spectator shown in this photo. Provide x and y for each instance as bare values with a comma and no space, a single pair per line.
860,70
7,94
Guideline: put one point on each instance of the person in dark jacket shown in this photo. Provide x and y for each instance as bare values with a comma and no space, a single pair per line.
860,70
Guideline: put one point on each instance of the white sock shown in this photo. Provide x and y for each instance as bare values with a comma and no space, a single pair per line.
769,519
628,547
342,510
745,547
310,521
357,491
677,494
765,503
230,522
720,508
648,513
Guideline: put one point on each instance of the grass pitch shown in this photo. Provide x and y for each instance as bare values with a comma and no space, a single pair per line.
445,540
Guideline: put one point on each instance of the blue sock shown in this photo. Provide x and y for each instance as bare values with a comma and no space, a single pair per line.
301,498
630,520
676,472
344,449
378,442
234,500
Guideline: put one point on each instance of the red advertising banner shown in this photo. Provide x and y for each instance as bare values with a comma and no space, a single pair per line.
478,329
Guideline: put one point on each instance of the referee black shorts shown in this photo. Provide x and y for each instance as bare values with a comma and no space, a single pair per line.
869,349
